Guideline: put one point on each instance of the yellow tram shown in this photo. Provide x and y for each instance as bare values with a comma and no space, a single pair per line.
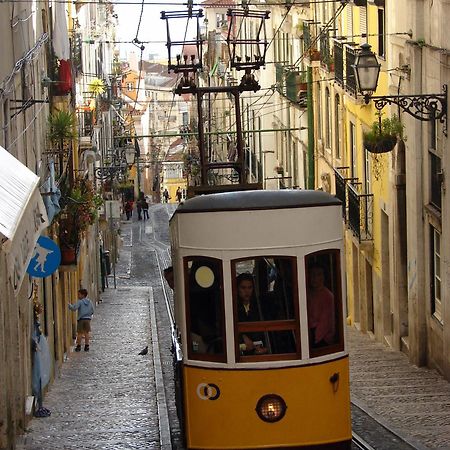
259,312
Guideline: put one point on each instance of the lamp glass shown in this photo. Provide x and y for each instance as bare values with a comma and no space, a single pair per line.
129,155
367,70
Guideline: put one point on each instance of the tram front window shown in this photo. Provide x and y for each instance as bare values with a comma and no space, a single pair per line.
266,313
324,303
204,308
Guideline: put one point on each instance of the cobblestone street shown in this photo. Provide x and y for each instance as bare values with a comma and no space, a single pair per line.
106,398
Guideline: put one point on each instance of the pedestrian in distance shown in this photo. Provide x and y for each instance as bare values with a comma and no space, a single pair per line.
179,195
129,209
144,206
85,310
166,196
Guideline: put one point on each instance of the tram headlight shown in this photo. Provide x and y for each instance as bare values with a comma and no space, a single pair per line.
271,408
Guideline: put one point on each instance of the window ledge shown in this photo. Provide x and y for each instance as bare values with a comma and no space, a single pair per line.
434,212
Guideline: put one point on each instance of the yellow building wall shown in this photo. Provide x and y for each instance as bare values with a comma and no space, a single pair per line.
363,116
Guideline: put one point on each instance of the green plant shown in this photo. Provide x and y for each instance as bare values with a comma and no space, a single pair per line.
62,126
383,134
80,205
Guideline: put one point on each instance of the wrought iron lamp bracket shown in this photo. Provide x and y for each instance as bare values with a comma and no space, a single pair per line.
103,173
424,107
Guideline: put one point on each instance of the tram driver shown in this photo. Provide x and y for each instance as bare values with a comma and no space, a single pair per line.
248,311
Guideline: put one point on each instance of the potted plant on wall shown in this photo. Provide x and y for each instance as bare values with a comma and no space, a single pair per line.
383,135
62,127
80,205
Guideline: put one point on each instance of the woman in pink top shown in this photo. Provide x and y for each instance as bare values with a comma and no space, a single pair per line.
321,312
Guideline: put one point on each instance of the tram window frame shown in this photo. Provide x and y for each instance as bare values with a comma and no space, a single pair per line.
338,300
213,357
267,325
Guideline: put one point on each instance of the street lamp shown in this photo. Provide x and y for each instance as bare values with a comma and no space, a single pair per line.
367,70
424,107
130,153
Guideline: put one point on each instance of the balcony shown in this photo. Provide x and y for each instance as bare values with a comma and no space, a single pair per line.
357,208
326,58
290,82
344,58
350,80
76,45
339,62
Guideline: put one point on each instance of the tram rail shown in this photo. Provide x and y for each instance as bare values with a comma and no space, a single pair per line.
359,443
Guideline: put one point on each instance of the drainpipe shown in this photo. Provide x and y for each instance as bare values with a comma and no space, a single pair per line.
311,169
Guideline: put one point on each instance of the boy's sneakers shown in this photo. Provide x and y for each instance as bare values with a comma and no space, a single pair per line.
78,348
86,348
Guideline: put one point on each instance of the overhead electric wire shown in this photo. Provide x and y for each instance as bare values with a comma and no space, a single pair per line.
273,3
322,32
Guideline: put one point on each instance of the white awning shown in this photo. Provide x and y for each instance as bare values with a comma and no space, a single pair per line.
22,214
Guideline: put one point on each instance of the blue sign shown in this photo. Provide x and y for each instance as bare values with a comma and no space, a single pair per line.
46,258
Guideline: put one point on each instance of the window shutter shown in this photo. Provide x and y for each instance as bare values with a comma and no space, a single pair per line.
363,23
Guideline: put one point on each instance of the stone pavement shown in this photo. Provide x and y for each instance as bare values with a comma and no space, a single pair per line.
413,402
106,399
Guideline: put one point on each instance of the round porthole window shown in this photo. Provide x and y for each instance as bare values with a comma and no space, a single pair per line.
204,277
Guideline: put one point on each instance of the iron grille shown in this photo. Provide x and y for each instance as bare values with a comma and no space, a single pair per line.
350,80
325,53
360,212
340,191
339,62
306,36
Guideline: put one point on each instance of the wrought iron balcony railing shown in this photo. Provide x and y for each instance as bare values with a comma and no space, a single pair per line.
350,80
307,38
357,208
325,51
344,58
339,62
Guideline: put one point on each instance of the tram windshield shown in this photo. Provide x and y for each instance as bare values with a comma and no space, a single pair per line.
204,308
324,303
265,308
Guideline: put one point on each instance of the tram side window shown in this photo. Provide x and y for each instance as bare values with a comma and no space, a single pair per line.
324,302
266,313
204,308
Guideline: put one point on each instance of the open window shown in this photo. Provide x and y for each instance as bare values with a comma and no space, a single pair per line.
324,302
265,304
204,308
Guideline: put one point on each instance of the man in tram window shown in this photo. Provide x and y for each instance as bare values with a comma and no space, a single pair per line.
249,311
321,311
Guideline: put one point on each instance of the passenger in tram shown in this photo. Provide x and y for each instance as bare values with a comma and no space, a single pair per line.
248,311
321,311
205,311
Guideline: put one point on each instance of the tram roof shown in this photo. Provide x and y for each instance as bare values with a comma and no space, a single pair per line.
257,200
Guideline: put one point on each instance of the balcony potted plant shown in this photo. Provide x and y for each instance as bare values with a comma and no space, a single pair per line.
80,205
383,135
62,127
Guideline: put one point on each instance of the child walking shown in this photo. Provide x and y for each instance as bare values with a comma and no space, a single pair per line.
85,311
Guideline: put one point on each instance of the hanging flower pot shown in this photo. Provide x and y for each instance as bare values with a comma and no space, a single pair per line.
384,145
383,135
